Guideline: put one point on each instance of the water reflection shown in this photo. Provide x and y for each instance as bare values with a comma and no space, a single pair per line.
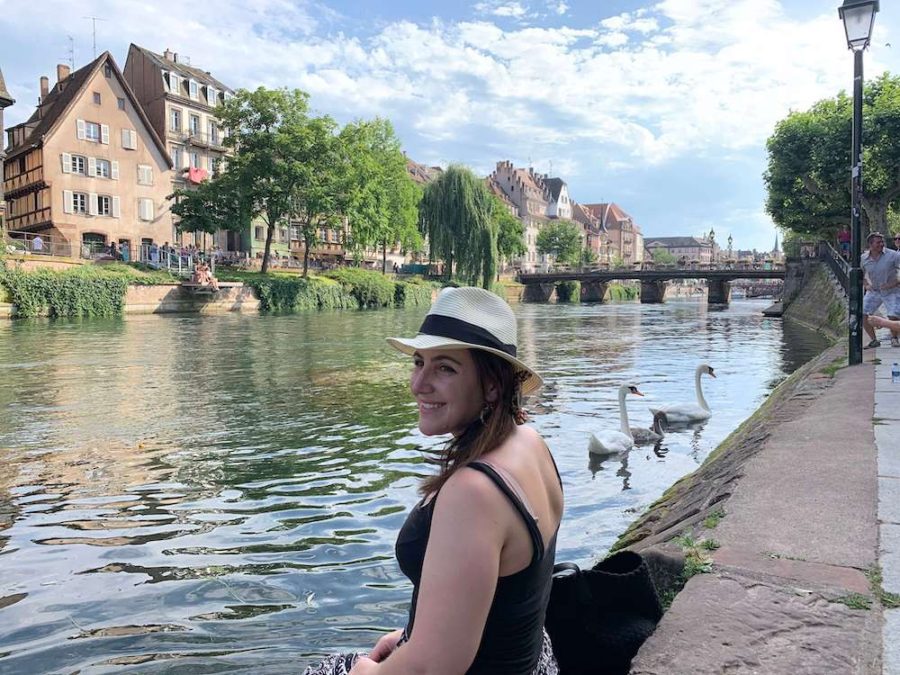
223,493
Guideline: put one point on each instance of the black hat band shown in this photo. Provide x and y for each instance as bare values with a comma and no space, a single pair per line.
457,329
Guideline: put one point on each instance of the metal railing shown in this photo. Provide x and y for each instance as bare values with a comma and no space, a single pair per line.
35,243
839,267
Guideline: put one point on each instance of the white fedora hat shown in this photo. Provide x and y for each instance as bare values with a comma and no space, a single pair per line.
471,318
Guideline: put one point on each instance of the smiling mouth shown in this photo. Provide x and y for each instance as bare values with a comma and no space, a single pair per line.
429,406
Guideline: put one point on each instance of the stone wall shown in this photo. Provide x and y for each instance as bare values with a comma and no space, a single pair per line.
813,298
172,298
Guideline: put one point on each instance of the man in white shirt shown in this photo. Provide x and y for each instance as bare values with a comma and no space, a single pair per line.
37,244
880,268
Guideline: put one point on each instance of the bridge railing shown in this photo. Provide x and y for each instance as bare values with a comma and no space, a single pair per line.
838,266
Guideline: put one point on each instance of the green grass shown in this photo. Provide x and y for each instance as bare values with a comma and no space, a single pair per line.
855,601
887,600
713,519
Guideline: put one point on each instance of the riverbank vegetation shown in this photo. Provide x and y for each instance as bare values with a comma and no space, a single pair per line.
99,291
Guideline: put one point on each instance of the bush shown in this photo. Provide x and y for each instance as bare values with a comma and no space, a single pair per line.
568,291
371,289
73,293
412,294
620,292
296,294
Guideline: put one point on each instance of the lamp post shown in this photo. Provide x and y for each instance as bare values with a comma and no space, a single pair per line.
858,17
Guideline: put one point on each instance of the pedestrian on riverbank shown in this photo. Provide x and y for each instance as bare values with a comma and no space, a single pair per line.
480,546
880,269
843,238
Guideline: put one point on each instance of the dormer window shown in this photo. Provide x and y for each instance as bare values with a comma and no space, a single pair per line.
194,89
174,83
211,95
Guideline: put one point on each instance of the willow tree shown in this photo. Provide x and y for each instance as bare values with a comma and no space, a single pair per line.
457,215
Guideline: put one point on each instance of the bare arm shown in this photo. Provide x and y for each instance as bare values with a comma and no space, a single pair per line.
459,578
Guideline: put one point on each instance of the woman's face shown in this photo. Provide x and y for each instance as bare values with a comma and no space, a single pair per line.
447,388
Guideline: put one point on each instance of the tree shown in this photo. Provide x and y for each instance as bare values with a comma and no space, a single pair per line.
382,200
213,205
510,233
457,216
662,256
808,173
265,133
562,239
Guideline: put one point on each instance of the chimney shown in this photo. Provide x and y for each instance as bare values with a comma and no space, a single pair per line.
175,57
62,72
45,87
168,55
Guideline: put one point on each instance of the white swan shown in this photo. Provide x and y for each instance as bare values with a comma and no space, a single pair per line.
685,413
645,436
611,441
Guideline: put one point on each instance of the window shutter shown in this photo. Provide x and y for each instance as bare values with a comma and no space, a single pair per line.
67,202
92,204
149,209
80,130
104,134
92,166
149,175
66,162
114,170
116,207
133,139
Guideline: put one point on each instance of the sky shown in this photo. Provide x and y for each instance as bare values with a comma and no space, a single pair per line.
662,107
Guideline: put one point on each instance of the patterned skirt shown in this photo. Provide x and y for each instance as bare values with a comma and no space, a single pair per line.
340,664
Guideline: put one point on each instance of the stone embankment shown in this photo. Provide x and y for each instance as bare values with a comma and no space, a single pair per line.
778,530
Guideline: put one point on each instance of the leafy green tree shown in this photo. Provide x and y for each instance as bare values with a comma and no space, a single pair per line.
214,205
808,173
662,256
510,233
267,133
588,257
458,217
562,239
382,199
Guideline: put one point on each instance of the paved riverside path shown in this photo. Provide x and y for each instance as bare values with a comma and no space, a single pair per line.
812,513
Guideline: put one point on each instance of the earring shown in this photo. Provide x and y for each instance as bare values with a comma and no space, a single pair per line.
486,412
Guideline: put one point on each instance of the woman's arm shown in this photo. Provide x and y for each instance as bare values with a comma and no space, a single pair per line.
459,577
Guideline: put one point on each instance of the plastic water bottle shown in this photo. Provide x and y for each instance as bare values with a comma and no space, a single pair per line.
895,373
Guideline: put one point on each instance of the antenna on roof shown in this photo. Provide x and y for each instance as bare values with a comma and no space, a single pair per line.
71,55
550,173
94,20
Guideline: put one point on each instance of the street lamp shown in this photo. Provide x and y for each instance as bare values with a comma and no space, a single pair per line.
858,17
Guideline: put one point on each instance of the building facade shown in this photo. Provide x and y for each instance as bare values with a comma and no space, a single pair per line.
180,101
5,101
527,190
559,206
683,249
625,236
87,168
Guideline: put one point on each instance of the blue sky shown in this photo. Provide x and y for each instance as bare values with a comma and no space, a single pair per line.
663,107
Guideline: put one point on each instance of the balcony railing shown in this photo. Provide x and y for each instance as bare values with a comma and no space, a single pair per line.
203,139
34,243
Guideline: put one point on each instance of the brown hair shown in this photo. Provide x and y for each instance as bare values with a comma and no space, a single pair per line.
489,430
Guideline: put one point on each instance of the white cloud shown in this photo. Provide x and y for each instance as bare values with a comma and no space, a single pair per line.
513,10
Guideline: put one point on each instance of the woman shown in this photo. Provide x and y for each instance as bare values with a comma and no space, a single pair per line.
480,546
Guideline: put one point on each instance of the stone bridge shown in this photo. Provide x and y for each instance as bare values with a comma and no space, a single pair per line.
654,282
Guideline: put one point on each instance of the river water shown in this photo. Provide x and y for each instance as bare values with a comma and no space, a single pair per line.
221,494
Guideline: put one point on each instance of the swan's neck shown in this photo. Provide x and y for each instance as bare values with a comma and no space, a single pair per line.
700,400
623,414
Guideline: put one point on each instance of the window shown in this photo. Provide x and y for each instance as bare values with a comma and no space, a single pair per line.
175,119
121,103
104,205
77,164
213,131
129,139
107,70
194,90
96,98
176,157
145,174
174,83
195,125
79,202
258,233
195,160
145,209
103,169
211,95
92,132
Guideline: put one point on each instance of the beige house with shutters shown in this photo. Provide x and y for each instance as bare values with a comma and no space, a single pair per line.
87,168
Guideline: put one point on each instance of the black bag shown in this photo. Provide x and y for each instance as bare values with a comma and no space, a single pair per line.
597,619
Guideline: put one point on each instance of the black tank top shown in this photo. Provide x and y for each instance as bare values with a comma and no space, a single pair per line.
513,633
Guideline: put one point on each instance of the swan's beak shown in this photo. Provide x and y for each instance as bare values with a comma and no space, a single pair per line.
636,392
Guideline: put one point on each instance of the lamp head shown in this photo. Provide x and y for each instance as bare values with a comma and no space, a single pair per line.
858,17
